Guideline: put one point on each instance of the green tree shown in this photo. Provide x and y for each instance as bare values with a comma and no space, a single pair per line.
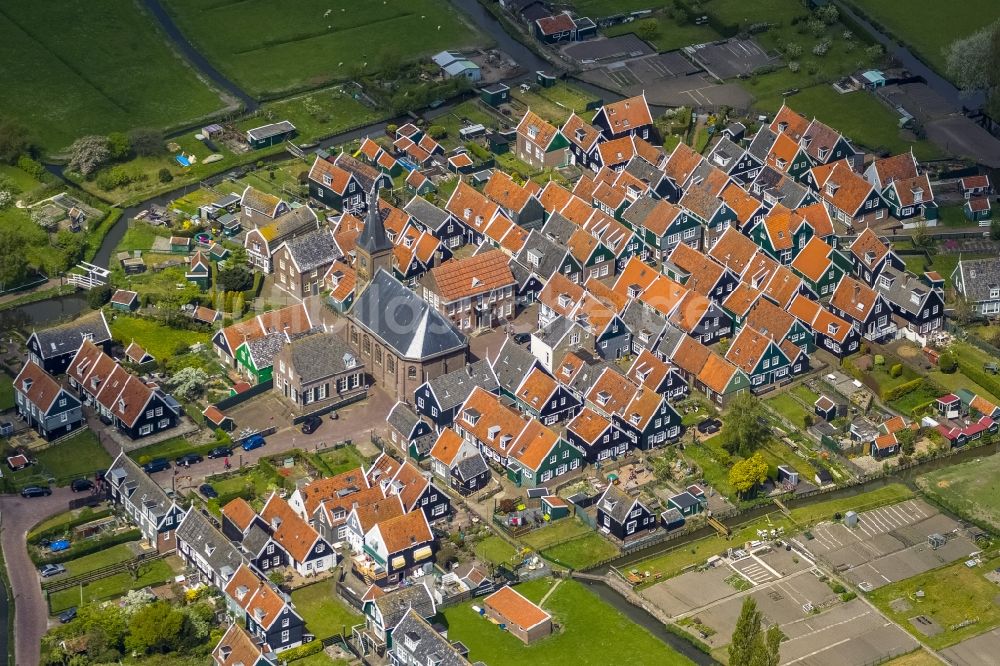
158,627
13,264
947,363
745,427
146,142
119,146
98,297
188,383
88,154
13,140
747,474
164,175
108,621
648,29
906,438
71,246
751,645
235,278
238,304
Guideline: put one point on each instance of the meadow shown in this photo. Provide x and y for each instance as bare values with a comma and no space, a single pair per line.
107,70
269,47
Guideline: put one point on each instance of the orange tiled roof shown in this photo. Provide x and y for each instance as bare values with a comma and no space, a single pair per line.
627,114
512,606
536,388
783,285
402,532
447,446
294,534
741,203
741,299
854,297
479,274
588,425
536,129
814,259
717,373
789,122
747,348
682,163
690,355
502,190
533,444
554,197
818,217
648,370
770,319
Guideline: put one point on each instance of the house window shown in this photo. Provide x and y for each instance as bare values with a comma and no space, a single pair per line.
146,429
285,634
411,372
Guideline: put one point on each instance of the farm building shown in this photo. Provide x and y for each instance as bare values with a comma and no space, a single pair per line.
270,135
455,65
517,615
495,94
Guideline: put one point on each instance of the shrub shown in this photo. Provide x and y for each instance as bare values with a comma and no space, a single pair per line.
165,176
437,132
947,363
896,370
478,151
99,296
309,649
31,167
88,547
901,390
879,359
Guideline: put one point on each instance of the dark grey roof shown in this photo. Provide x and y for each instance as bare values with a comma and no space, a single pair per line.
263,350
323,355
471,466
141,491
67,338
426,213
394,605
425,443
761,144
373,237
640,318
313,249
701,172
521,273
907,291
512,365
211,545
293,223
616,503
977,277
684,500
644,171
415,637
274,129
725,151
539,247
672,337
639,210
559,229
452,389
256,538
404,321
775,183
403,418
557,330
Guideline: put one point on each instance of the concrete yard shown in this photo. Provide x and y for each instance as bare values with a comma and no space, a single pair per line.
732,58
982,649
889,544
611,48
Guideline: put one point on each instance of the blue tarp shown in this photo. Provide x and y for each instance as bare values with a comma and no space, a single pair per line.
56,546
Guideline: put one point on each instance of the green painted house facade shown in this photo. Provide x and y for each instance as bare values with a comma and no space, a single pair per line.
253,365
561,459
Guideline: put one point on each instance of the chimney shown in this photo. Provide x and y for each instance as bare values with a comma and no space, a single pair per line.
857,292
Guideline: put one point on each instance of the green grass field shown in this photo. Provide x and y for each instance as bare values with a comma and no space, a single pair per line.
150,573
582,552
561,530
269,47
928,26
495,550
78,456
971,489
318,114
325,614
159,340
342,459
596,9
786,405
37,248
73,68
953,594
582,616
94,561
670,35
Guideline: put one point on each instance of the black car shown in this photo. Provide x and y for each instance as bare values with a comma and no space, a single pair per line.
208,491
709,426
311,425
68,615
80,485
522,338
156,465
220,452
36,491
188,459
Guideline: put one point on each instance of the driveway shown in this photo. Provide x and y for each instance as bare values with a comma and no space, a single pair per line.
31,616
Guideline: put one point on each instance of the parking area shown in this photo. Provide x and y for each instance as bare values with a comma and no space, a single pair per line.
668,79
982,649
611,48
889,544
730,59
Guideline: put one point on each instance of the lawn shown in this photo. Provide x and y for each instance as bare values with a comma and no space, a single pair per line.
583,552
158,339
859,116
942,262
915,658
139,236
953,594
150,573
789,407
806,394
78,456
325,614
6,392
37,248
555,104
582,616
953,216
929,26
714,464
168,448
116,72
561,530
971,489
94,561
318,114
269,47
495,550
342,459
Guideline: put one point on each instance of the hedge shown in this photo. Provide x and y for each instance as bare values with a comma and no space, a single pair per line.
58,530
977,375
303,651
88,547
901,390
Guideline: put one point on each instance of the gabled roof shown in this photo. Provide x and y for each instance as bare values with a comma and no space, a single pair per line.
616,503
37,386
554,196
533,444
66,338
447,446
612,392
818,217
747,348
490,421
844,188
553,25
536,129
452,389
868,248
588,425
502,190
734,250
718,373
323,170
740,202
682,163
819,140
464,278
468,205
854,298
238,648
294,534
405,531
897,167
703,272
788,122
262,202
536,389
240,513
514,607
512,364
580,132
813,260
627,114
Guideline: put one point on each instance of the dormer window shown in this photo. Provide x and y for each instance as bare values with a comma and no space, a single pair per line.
327,179
782,126
915,297
832,328
823,152
564,300
471,416
918,194
493,432
504,441
532,132
634,418
27,384
634,290
466,213
886,281
831,189
781,163
603,398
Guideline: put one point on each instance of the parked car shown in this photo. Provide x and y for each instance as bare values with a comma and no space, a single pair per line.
221,452
80,485
52,570
311,425
36,491
709,426
156,465
208,491
68,615
522,338
253,442
188,459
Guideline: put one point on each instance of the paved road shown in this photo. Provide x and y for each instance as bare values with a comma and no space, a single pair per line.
31,616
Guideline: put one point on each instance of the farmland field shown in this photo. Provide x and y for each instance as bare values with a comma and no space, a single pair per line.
112,71
269,46
929,26
971,489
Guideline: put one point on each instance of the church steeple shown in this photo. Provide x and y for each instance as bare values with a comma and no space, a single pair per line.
373,249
